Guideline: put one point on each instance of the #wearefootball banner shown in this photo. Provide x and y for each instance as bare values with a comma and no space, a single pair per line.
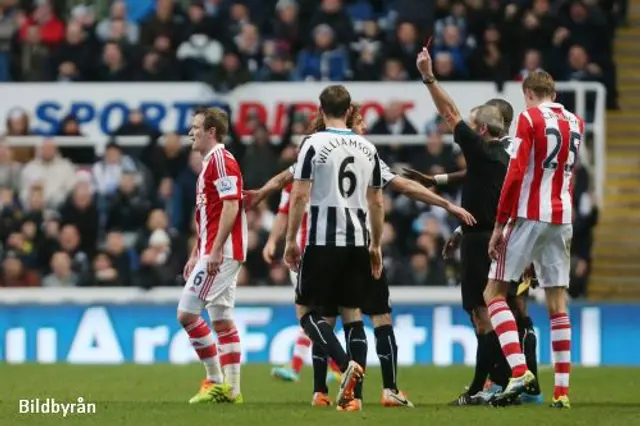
148,333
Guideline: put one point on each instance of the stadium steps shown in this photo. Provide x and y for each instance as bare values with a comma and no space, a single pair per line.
616,252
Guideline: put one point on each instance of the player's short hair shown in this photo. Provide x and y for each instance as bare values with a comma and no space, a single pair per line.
506,110
541,83
354,115
215,118
335,101
490,116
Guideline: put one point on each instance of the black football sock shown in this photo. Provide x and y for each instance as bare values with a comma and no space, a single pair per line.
388,355
321,334
320,367
484,361
500,371
529,342
357,346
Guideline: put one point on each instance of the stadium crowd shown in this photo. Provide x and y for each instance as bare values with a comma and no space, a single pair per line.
125,218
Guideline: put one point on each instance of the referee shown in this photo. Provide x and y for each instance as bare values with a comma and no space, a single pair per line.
487,162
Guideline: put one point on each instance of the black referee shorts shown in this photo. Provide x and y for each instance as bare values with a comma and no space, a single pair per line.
375,300
474,254
333,277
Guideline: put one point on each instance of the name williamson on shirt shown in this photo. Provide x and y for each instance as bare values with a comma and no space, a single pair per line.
326,150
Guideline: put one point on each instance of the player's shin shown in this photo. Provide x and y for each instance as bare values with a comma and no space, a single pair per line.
505,327
203,342
321,334
529,343
561,345
484,359
357,348
230,349
319,358
300,352
387,351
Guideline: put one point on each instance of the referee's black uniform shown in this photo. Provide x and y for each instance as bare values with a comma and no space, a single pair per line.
486,169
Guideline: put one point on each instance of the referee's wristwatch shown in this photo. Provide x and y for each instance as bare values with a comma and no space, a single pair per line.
428,79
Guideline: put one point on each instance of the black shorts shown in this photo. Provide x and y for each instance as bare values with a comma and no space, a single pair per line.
474,256
375,300
333,276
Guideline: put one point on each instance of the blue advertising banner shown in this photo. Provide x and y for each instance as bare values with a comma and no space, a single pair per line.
603,334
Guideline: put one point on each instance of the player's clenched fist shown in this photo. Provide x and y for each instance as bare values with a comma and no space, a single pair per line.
292,256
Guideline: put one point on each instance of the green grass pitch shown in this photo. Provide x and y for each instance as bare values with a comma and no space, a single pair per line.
156,395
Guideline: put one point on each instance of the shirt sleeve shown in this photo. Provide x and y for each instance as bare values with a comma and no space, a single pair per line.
469,141
305,166
376,175
227,177
283,207
520,152
386,173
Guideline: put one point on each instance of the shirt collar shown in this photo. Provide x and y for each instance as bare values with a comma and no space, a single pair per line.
216,147
551,105
339,131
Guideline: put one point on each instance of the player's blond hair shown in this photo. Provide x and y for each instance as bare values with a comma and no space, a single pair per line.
215,118
540,83
354,116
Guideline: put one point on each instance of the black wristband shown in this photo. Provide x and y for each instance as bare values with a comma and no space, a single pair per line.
429,80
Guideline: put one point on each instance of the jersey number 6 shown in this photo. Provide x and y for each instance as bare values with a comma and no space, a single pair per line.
348,176
197,280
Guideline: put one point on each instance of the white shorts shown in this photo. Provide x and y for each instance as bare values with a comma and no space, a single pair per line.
546,245
203,290
293,276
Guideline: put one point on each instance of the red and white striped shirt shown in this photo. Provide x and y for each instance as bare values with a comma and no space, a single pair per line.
538,185
283,208
220,180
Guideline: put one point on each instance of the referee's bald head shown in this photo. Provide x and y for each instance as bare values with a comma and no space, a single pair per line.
489,117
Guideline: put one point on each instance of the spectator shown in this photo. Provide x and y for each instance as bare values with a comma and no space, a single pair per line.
199,55
286,27
14,274
61,274
248,46
128,207
69,242
81,211
9,169
276,68
50,28
121,255
166,22
103,274
393,122
324,61
8,27
579,67
32,58
394,71
332,13
259,163
405,47
438,158
118,13
184,197
10,213
77,52
444,67
115,67
488,62
532,62
230,74
107,172
54,173
17,123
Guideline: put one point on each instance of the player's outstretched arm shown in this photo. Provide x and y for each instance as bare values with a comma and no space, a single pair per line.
277,231
253,197
445,105
417,192
436,180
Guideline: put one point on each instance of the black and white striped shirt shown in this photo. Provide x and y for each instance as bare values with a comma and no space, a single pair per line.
342,166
